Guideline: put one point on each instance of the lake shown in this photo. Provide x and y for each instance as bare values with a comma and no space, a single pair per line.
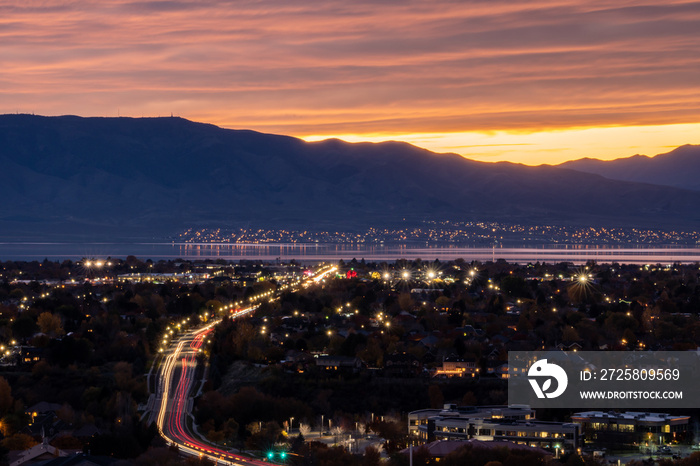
333,252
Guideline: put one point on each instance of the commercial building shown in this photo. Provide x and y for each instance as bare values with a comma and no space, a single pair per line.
512,423
631,428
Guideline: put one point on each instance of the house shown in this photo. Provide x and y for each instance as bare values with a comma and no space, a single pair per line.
339,363
36,454
86,432
498,368
402,365
42,407
569,346
47,425
81,460
30,354
457,367
297,361
430,341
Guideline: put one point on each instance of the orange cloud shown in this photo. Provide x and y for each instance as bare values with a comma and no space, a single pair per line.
330,68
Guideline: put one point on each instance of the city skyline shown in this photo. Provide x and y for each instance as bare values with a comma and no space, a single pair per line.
532,83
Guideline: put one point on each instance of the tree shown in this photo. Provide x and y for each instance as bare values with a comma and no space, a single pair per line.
6,401
515,286
304,429
362,428
469,399
575,460
213,306
372,457
18,442
230,431
266,434
13,423
123,376
337,431
570,334
442,303
406,301
67,442
436,397
50,324
24,326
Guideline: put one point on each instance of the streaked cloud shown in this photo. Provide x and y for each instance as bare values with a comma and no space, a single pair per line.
359,68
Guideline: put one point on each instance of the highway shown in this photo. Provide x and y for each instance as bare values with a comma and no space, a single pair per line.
175,391
176,385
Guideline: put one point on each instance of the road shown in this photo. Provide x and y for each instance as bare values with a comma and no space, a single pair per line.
175,389
176,385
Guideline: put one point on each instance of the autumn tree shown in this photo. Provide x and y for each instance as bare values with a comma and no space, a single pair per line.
50,324
436,397
372,457
18,442
6,401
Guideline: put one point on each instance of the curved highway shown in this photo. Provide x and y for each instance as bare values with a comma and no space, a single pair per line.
175,385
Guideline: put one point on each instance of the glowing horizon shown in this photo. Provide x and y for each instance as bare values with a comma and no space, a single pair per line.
547,147
537,82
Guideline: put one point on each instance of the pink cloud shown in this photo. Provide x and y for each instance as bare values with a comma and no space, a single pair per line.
328,67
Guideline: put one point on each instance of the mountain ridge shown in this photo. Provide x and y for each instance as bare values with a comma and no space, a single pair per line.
678,168
75,177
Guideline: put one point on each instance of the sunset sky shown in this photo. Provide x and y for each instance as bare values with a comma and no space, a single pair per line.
525,81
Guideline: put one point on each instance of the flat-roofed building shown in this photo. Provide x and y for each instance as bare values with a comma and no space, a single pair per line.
514,423
631,427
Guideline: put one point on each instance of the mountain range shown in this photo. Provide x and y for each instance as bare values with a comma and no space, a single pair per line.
679,168
123,178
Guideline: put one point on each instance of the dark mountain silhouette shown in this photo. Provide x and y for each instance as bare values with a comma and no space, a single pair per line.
679,168
127,178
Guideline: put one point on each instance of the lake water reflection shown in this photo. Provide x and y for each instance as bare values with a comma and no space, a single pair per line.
316,251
